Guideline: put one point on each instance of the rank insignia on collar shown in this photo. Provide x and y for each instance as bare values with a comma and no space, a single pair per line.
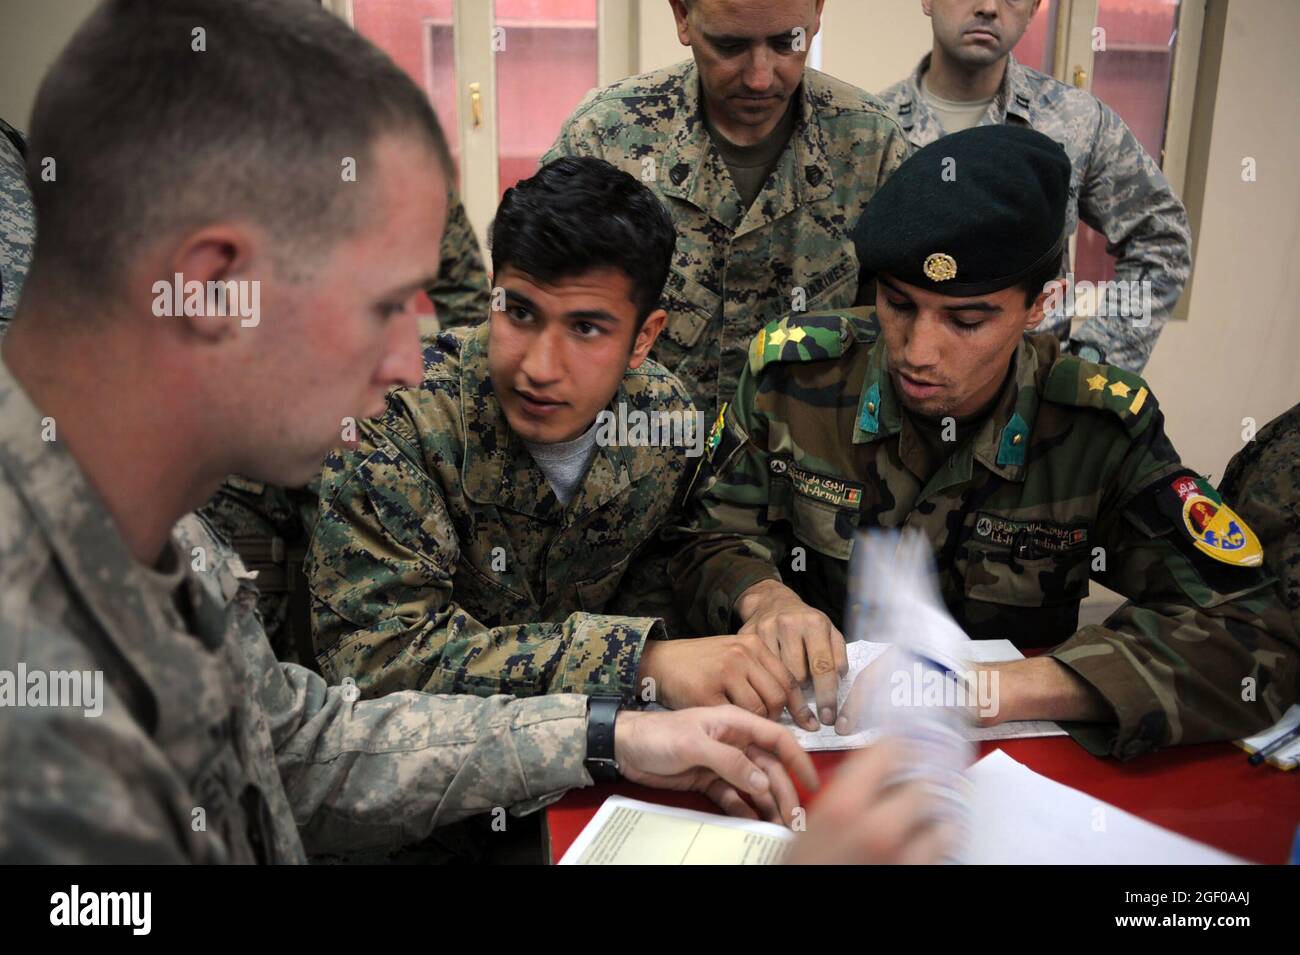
940,267
1214,528
715,433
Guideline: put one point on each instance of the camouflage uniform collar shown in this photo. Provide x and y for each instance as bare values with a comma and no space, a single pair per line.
694,171
79,531
497,468
1000,444
922,127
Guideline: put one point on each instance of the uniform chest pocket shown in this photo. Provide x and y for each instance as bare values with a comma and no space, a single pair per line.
595,592
822,509
1003,575
690,309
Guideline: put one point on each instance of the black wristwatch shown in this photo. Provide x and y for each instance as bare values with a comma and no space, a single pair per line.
602,713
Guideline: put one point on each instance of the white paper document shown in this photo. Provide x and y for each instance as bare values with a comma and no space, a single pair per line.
1019,817
631,832
861,653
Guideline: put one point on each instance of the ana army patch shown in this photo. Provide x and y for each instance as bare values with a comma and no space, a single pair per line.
820,487
1213,527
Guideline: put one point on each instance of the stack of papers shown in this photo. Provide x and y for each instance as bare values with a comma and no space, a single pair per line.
1018,817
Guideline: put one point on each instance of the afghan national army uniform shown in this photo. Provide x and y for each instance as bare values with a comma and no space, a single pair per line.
1262,483
442,559
1116,187
17,222
735,268
1065,475
269,526
199,746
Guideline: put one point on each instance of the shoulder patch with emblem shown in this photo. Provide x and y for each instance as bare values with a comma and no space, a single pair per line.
1198,511
1086,384
810,336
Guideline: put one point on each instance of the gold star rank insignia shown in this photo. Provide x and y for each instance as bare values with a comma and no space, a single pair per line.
939,267
796,335
778,337
1096,382
1119,389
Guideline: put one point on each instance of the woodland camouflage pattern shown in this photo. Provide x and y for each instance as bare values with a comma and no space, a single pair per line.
17,228
270,526
734,270
443,561
1262,484
197,714
1070,460
1116,187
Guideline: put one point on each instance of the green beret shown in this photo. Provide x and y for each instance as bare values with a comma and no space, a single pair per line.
972,213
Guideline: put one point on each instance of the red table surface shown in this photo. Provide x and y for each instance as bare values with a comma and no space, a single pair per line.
1208,792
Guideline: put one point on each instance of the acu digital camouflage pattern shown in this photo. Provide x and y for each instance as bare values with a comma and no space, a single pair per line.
1117,188
17,225
443,561
736,269
197,714
1066,467
269,526
1262,484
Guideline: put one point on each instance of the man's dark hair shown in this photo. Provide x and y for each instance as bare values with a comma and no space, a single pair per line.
163,116
578,214
1033,284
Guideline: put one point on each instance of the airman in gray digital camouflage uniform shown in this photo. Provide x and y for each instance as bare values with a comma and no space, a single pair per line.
1116,187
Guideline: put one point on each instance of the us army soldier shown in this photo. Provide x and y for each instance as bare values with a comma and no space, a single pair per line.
971,77
764,165
114,421
1030,472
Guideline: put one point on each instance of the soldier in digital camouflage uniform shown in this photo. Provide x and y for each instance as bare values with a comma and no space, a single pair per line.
1062,473
451,554
1262,483
1116,187
270,526
762,228
17,221
197,745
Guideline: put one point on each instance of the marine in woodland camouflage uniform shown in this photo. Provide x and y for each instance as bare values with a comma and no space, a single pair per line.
1116,188
17,221
270,526
1262,483
443,561
198,715
736,269
1068,476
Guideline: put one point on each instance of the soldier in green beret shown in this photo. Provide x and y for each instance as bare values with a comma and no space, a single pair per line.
1031,472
